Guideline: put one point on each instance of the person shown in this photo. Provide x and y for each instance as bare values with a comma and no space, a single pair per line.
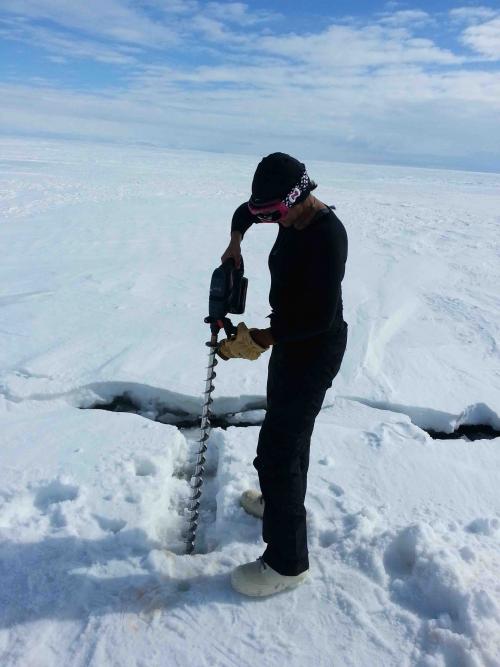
308,336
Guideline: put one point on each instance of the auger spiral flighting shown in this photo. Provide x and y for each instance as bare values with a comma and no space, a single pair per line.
228,289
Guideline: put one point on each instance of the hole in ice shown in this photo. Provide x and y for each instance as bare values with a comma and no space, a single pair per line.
469,431
477,422
249,412
242,418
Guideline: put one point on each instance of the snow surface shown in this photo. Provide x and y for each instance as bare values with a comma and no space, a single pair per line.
107,254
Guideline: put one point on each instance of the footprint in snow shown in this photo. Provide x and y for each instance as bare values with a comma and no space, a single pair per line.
372,439
484,526
54,493
110,525
336,489
145,468
328,537
327,461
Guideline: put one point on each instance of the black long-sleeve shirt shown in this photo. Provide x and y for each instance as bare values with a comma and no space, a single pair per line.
307,267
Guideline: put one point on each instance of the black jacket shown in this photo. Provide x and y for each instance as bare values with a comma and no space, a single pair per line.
307,267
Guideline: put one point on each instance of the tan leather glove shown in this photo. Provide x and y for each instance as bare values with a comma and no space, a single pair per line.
240,346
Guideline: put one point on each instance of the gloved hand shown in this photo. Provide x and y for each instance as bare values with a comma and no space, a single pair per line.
240,346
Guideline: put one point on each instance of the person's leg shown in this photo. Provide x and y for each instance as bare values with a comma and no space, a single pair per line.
284,520
304,460
295,390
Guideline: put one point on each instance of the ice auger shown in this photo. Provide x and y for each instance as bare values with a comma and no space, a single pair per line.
228,290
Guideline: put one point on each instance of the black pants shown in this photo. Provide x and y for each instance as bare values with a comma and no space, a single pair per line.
298,378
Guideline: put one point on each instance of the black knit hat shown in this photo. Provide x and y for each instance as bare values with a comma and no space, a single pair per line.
276,176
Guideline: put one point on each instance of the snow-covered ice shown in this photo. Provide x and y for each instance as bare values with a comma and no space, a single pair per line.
107,254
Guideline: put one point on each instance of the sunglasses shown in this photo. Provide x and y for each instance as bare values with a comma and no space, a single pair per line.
270,212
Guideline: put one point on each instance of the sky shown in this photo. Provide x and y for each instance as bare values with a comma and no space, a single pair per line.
412,83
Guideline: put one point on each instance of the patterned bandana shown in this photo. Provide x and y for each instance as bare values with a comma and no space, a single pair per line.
301,188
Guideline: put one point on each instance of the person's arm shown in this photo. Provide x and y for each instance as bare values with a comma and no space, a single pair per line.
242,220
263,337
313,308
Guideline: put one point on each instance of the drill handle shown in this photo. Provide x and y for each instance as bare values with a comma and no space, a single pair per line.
222,323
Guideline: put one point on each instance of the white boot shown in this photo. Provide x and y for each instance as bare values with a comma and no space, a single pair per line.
258,579
253,503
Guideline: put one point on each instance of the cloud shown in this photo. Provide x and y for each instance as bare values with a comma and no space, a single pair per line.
237,13
410,17
378,89
111,20
229,30
104,28
484,38
348,117
151,23
348,46
214,30
63,48
472,14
